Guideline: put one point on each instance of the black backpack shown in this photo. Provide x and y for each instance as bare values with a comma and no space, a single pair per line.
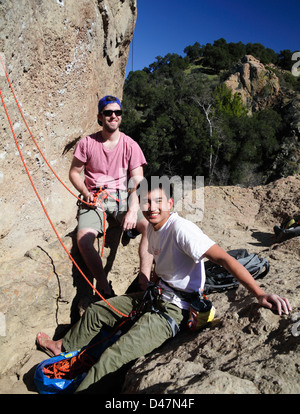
219,279
288,229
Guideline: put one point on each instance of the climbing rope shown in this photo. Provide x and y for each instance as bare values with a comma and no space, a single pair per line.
38,196
104,194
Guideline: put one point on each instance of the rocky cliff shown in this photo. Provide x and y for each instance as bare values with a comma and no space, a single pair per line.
260,87
257,85
61,58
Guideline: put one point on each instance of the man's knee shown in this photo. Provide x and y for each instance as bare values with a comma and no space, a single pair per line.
86,238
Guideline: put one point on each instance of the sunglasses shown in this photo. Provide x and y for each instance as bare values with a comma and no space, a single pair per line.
109,112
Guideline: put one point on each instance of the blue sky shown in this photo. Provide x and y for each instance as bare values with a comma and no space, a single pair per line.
168,26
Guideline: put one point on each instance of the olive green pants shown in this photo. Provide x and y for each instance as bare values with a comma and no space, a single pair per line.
149,332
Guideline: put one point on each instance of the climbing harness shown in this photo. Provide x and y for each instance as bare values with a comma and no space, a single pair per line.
201,309
151,300
34,187
99,196
64,373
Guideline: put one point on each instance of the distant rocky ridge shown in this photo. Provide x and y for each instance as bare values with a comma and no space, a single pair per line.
258,86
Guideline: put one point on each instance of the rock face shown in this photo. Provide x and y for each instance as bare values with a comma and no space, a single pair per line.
258,86
292,113
61,58
249,351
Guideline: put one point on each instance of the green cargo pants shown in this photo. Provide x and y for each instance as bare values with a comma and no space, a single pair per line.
149,332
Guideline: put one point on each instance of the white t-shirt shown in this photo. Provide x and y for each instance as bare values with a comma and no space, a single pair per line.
178,248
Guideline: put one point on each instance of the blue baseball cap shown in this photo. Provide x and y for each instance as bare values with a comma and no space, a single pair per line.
108,99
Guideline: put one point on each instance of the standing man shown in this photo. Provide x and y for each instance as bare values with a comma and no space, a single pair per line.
110,160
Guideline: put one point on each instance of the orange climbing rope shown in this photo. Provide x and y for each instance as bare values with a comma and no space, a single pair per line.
69,369
98,201
38,196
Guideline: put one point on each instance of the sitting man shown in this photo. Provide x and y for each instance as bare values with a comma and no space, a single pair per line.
178,247
109,159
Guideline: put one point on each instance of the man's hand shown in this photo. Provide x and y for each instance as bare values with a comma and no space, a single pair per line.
129,221
89,197
275,302
217,255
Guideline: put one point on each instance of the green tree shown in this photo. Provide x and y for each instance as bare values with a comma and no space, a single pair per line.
168,64
194,52
217,56
137,88
251,142
265,55
229,103
284,59
236,50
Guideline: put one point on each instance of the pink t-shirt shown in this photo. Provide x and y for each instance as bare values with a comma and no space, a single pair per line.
105,167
